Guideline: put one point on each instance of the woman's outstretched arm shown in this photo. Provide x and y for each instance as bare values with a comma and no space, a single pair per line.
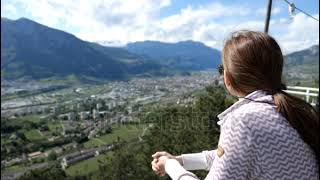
176,172
232,160
192,161
176,166
198,161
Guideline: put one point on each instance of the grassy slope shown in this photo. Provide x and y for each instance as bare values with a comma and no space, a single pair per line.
34,135
125,132
87,166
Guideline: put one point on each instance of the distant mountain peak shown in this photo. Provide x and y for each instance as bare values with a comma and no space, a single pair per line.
193,43
185,55
314,49
190,42
302,66
24,19
30,49
27,21
162,43
110,43
5,19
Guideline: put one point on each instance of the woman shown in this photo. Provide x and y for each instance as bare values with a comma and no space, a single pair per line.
267,134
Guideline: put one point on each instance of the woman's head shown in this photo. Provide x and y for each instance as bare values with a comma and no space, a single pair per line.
252,61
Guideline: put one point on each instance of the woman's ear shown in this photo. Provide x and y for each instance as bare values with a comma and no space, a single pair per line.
226,78
227,83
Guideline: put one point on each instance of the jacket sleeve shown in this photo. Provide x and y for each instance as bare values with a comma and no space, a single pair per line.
198,161
194,161
233,162
177,172
236,148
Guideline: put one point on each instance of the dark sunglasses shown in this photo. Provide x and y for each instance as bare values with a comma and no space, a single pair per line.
220,69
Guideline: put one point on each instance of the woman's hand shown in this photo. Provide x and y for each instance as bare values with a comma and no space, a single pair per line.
164,153
157,155
160,164
156,167
159,161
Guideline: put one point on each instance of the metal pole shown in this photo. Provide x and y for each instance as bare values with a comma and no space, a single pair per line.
266,26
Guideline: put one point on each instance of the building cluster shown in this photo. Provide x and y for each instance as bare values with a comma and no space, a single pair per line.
83,155
91,111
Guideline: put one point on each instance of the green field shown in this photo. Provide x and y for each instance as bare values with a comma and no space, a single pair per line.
14,168
87,166
31,118
34,135
53,126
124,132
4,140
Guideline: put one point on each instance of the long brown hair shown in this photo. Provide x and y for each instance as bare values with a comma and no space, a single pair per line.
254,61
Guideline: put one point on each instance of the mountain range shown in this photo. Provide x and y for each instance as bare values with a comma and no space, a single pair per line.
302,67
307,56
181,55
32,50
29,49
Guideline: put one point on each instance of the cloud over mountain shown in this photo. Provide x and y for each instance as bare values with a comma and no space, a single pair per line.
164,20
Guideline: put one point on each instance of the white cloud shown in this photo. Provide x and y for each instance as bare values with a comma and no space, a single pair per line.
96,20
201,15
298,33
276,10
199,24
8,9
263,11
125,21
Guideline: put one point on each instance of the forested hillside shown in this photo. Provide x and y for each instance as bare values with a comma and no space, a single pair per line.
174,129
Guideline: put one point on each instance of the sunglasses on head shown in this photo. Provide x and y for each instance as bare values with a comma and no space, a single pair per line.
220,69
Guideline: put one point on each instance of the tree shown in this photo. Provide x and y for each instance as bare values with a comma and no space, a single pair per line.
53,172
52,156
175,129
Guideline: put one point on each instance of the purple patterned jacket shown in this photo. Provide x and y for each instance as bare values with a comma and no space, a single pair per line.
256,142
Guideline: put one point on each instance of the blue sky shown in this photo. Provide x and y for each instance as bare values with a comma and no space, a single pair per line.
117,22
